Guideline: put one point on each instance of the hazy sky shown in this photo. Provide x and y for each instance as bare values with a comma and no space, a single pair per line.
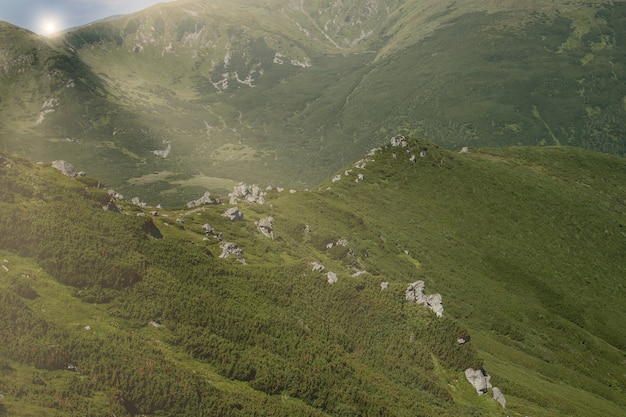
46,16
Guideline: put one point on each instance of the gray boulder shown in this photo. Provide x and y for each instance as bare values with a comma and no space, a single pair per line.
332,277
479,378
499,397
317,267
233,214
266,226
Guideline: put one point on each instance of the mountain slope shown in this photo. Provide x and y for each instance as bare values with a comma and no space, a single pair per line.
525,246
188,96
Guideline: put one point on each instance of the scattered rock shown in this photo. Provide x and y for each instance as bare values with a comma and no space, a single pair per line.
336,178
384,285
479,378
412,158
229,248
332,277
499,397
464,149
154,324
415,293
233,214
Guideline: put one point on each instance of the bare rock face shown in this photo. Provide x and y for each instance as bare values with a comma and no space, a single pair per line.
233,214
499,397
479,378
415,294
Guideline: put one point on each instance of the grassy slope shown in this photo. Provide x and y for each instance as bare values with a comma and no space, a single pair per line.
524,244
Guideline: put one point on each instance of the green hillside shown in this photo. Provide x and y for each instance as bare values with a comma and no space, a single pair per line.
134,310
188,95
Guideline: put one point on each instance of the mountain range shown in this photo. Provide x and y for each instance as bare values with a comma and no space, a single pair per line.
187,96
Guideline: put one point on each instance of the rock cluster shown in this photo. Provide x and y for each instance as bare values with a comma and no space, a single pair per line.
415,293
206,198
247,193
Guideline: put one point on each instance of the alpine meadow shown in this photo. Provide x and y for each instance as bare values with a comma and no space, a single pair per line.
320,208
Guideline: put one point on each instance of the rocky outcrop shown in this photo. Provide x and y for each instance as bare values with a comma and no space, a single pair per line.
266,226
206,198
233,214
229,248
415,294
479,378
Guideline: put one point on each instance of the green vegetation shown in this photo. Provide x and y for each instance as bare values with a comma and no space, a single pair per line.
524,244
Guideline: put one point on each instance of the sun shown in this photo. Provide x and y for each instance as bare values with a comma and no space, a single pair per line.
49,25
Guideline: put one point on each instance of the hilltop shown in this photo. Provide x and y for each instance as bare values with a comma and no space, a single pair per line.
299,302
185,96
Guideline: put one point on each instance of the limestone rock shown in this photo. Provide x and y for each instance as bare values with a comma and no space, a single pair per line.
332,277
479,378
233,214
499,397
247,193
